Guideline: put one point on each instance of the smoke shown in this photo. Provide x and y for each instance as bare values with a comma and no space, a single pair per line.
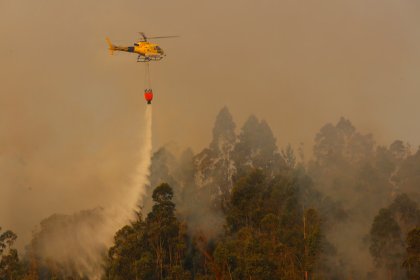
77,243
68,139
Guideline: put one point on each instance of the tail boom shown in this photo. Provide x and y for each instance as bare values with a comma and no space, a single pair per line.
113,47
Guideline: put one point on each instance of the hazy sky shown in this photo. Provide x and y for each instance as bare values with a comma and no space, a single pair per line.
70,112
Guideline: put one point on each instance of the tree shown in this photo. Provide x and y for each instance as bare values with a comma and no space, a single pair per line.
406,213
289,156
153,248
268,231
163,232
386,245
312,239
9,259
246,256
412,260
245,203
342,154
257,149
223,132
214,165
129,253
356,176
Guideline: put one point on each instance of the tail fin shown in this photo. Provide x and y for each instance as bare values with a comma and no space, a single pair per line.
111,46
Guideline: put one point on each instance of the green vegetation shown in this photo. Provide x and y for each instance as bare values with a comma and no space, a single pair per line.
267,236
9,260
151,249
244,209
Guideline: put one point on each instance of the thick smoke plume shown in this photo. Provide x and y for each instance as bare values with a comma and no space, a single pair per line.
68,139
78,243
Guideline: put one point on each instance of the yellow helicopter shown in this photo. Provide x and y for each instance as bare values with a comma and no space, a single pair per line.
146,51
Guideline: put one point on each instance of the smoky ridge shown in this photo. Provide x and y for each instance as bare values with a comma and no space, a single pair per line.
339,202
244,182
342,187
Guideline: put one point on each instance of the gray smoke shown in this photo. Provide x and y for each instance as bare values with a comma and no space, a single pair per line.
77,243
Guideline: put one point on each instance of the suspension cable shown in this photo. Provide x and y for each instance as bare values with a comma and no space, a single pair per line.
147,78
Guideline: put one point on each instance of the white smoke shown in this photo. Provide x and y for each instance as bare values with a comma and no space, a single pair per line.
123,212
78,242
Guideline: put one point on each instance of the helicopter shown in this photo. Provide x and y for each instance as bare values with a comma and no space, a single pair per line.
146,51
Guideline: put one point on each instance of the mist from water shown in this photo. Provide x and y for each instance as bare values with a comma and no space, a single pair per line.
79,242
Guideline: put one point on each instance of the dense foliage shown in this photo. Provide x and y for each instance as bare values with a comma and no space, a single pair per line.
268,235
153,248
244,209
9,260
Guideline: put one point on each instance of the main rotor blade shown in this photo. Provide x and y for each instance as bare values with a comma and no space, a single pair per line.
161,37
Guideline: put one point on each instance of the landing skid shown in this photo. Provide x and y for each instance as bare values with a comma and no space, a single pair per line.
142,58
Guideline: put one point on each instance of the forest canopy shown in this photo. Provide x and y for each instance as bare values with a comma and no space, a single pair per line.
244,208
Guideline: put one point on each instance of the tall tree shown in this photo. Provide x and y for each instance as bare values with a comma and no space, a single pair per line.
312,239
214,165
386,244
162,228
257,148
412,260
9,260
245,204
405,212
153,248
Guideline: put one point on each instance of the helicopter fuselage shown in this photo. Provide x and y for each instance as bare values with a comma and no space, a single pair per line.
145,50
